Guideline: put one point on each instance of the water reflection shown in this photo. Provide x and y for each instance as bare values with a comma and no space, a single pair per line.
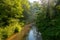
34,34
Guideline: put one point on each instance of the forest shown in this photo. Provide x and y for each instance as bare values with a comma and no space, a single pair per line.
15,14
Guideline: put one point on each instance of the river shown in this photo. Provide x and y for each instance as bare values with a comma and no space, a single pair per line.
34,34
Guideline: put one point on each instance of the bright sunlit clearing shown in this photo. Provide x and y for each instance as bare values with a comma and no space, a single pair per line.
33,0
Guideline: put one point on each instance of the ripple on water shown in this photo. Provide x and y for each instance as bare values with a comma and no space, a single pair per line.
34,35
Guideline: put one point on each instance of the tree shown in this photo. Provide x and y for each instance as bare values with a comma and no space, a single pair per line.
11,15
26,9
34,9
48,20
10,9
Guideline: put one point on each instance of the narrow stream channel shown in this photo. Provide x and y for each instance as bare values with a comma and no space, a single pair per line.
34,34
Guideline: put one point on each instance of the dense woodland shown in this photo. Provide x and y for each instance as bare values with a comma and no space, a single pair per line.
48,19
14,14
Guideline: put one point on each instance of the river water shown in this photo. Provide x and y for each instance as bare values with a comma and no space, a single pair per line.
34,34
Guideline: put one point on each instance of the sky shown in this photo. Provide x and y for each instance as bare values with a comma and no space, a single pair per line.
32,0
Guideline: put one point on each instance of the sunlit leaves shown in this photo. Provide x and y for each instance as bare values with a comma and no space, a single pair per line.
58,7
11,16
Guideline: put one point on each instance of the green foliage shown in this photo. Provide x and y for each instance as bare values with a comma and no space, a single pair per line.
11,16
10,29
10,9
26,7
49,26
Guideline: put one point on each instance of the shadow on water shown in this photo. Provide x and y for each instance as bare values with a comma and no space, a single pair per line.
34,34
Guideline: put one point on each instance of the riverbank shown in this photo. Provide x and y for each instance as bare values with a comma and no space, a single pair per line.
22,34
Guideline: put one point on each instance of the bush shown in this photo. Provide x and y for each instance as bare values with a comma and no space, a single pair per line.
13,27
